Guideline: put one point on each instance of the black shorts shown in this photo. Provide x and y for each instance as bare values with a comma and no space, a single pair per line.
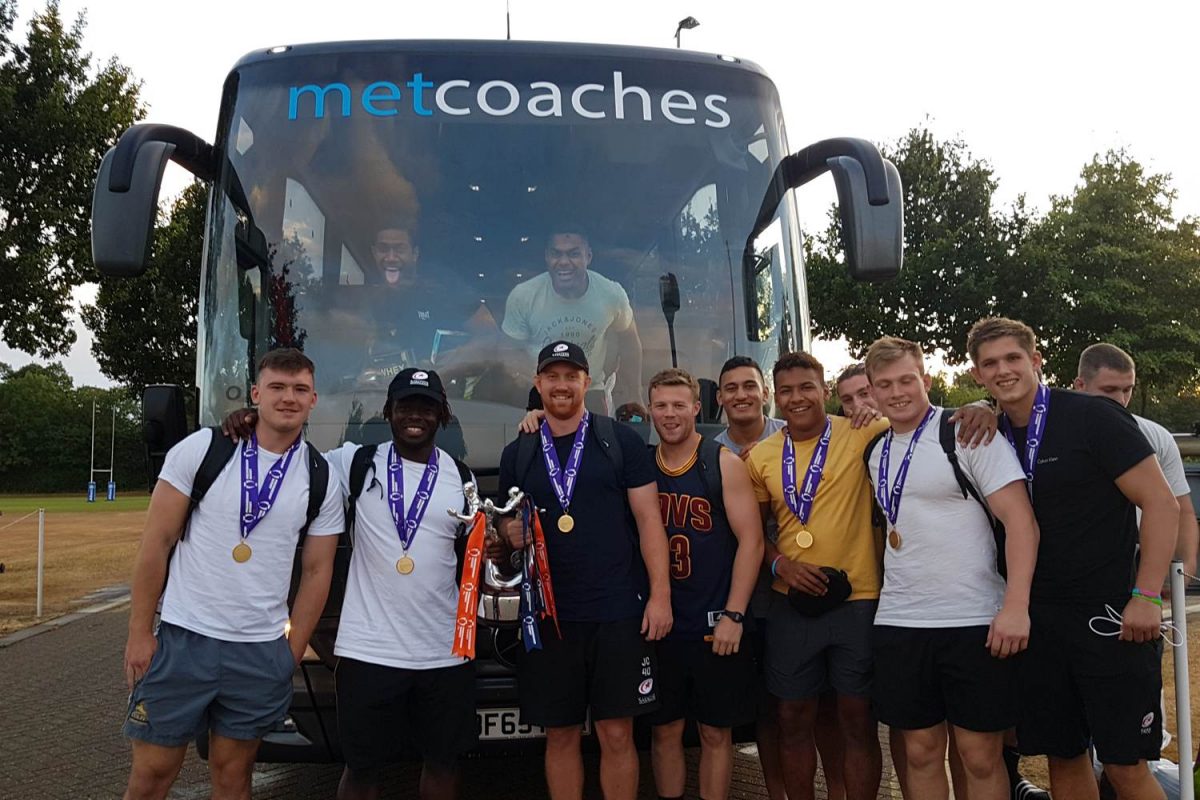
1078,687
605,666
720,691
386,712
925,676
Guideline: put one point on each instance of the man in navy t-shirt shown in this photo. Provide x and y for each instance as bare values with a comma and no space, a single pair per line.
607,552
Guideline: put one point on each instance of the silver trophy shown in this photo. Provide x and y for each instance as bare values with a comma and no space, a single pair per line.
499,593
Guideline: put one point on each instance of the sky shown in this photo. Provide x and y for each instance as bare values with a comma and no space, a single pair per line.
1034,88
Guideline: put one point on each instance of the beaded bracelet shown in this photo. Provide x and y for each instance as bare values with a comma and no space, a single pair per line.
1147,596
775,565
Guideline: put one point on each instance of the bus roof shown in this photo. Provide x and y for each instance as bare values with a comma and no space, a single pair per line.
468,47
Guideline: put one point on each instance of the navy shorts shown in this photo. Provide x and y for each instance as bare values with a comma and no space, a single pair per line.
196,684
696,683
807,656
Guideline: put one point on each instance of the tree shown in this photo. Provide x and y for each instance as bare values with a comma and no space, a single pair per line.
59,118
1110,263
46,429
145,329
955,246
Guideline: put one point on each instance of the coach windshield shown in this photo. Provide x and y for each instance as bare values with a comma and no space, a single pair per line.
404,196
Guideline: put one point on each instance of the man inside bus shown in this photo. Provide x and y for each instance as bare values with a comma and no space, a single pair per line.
416,318
569,301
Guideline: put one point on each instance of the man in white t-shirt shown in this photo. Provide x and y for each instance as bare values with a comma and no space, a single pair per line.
1107,370
221,662
569,302
399,687
947,621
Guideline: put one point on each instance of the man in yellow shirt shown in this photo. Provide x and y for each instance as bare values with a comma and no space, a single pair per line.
811,479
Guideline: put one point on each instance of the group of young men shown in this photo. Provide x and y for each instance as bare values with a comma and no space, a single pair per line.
919,573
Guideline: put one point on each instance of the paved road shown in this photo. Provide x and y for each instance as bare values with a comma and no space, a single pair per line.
62,698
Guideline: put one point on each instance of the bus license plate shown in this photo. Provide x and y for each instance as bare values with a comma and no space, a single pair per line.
505,723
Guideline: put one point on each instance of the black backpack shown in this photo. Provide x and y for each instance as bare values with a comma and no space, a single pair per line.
946,437
222,448
363,462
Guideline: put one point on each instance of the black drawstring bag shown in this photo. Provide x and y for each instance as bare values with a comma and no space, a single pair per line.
811,605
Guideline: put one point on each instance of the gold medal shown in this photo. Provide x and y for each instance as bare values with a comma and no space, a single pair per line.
241,553
405,565
566,523
804,540
894,539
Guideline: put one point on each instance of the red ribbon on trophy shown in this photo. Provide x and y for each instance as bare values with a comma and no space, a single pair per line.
468,590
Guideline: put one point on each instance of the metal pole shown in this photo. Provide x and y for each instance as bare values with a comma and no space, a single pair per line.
92,458
112,444
1183,699
41,567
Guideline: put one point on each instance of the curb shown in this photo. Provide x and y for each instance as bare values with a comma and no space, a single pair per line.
65,619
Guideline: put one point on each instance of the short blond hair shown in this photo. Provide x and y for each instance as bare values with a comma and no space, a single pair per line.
886,349
674,377
989,329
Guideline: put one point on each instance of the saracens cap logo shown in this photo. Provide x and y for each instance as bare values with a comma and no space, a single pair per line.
561,347
420,376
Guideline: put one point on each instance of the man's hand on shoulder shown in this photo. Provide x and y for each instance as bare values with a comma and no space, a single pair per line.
977,424
864,416
239,424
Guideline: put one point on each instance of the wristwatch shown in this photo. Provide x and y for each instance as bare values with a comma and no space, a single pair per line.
736,616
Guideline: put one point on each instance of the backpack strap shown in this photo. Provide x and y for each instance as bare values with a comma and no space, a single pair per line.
946,437
318,484
465,476
528,446
362,462
220,449
709,459
606,433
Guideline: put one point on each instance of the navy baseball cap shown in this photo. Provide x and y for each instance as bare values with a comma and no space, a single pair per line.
568,352
409,382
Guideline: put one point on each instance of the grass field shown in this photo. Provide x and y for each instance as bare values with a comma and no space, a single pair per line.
89,546
16,505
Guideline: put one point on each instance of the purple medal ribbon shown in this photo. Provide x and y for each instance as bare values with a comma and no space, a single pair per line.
890,501
1033,434
256,500
801,502
407,524
562,480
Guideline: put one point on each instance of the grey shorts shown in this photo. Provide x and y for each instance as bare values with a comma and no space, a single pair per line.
808,655
196,684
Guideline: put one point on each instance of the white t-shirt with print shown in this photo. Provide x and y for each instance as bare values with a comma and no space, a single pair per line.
944,574
395,620
537,315
207,591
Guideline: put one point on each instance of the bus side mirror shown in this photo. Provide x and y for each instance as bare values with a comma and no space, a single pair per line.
873,234
164,418
125,201
123,221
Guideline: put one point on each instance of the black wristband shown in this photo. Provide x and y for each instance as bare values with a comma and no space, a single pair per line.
735,616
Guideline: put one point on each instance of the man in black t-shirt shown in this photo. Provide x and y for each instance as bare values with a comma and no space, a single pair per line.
605,541
418,318
1091,673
